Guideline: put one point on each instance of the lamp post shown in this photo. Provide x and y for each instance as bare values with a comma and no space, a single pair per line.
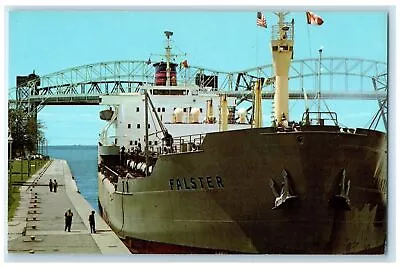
10,140
28,156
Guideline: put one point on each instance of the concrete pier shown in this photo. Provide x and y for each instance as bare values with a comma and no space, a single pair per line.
38,225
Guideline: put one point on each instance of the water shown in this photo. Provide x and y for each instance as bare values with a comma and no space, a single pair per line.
82,160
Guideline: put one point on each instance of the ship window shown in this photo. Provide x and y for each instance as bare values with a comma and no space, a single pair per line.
129,125
284,47
184,110
149,142
201,110
148,125
138,125
275,48
158,109
130,142
290,48
135,142
163,109
137,109
155,142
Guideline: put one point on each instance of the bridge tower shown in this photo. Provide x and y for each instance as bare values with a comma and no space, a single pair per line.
26,87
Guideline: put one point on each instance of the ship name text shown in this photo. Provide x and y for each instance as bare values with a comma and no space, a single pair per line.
198,183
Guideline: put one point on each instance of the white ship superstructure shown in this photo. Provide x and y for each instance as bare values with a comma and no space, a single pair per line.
187,111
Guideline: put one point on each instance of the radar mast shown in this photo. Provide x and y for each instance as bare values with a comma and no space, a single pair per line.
168,57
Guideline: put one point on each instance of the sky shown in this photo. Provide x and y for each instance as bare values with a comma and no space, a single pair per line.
48,41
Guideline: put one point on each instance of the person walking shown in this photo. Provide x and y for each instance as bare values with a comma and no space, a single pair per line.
68,220
92,223
55,186
51,185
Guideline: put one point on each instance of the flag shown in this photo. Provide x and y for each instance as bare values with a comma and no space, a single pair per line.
184,64
314,18
261,21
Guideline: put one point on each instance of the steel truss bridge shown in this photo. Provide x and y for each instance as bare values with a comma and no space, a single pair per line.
328,78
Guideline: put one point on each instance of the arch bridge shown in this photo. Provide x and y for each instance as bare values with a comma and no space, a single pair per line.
328,78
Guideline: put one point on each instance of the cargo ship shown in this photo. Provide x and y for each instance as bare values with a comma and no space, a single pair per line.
182,170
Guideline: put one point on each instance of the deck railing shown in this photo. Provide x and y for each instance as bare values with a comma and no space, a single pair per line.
182,144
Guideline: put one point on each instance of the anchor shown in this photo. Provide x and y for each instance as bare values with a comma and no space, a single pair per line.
341,199
286,197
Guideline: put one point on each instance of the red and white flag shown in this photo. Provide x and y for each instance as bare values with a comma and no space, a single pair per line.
261,21
184,64
314,18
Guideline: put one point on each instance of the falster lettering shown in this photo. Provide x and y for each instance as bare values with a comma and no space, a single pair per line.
197,183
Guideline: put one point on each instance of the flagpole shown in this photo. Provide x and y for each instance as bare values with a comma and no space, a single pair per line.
309,39
261,21
257,46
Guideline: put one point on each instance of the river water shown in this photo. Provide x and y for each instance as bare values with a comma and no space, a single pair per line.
82,161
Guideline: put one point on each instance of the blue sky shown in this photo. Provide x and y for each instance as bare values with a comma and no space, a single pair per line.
50,41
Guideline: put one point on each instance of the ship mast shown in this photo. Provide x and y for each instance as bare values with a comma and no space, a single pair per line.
168,57
319,86
282,53
257,121
146,122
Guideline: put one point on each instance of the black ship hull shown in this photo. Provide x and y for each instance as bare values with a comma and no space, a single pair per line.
316,191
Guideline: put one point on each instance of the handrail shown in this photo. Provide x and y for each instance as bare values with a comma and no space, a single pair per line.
181,143
308,120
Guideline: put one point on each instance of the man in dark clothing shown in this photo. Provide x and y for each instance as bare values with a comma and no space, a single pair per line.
51,185
68,220
92,223
55,186
168,139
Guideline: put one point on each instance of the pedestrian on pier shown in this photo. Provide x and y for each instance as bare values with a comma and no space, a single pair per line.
92,223
51,185
68,220
55,186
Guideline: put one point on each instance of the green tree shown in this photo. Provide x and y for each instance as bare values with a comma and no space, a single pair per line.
26,131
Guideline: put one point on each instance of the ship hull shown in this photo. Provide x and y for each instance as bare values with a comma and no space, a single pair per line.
220,198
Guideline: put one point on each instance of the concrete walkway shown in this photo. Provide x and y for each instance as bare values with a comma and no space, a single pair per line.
38,225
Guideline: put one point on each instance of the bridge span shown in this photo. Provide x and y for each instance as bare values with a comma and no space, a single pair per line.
328,78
